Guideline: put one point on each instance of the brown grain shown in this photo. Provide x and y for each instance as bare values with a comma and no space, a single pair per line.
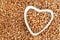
12,26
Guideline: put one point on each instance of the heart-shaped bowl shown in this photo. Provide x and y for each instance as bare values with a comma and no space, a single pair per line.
38,10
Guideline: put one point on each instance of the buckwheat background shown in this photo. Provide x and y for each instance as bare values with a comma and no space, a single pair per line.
12,26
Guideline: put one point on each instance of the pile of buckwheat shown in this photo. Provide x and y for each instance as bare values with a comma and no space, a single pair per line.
12,25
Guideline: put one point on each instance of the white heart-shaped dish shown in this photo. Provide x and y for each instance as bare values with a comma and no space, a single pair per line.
38,10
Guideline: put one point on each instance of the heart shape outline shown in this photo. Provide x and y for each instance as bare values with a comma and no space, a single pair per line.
38,10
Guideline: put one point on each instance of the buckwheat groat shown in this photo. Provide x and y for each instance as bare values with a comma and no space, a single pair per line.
12,25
